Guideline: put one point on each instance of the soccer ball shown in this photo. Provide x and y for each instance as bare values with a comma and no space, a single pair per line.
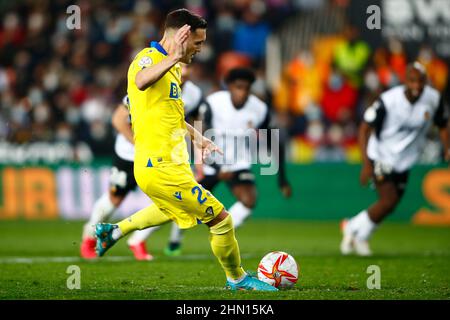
278,269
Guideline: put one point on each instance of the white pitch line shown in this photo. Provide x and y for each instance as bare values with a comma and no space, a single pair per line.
32,260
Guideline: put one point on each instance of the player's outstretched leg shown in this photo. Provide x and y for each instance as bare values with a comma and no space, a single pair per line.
108,234
359,229
225,247
106,237
103,209
245,194
239,212
356,233
136,243
348,238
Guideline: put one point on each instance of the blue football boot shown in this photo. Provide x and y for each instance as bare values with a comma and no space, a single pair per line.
250,283
103,232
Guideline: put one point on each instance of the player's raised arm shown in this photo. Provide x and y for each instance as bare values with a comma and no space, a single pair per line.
120,121
363,137
373,120
444,135
201,142
441,119
176,48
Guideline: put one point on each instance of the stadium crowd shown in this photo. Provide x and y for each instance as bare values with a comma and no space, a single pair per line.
61,85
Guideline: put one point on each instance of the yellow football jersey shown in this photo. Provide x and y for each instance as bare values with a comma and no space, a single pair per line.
157,113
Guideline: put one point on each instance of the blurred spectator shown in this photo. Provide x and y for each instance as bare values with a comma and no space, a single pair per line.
339,98
300,85
352,55
60,86
386,75
331,149
437,69
224,27
397,60
251,33
308,4
230,60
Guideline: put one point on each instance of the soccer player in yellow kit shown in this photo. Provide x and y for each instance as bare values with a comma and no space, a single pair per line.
161,164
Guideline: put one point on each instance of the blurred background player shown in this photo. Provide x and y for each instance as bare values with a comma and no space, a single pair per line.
230,114
122,177
392,136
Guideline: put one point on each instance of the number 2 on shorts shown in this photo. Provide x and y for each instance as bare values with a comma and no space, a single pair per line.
200,192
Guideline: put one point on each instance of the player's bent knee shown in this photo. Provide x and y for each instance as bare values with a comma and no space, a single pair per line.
389,205
223,225
249,202
221,216
116,199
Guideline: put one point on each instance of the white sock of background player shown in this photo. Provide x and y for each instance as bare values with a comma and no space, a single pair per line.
103,209
239,213
141,235
176,234
361,226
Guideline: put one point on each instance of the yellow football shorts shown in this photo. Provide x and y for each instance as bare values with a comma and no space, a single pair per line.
174,190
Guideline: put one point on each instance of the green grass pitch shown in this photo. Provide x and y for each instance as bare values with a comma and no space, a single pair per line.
414,263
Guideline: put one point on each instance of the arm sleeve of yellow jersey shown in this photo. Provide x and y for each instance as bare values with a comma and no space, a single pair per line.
144,59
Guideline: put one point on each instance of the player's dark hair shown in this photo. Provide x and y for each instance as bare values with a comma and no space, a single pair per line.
240,74
178,18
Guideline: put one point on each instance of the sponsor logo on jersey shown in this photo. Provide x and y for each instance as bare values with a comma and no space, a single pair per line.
210,211
145,62
174,91
177,195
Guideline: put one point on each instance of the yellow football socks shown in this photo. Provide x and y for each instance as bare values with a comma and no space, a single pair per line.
225,247
148,217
